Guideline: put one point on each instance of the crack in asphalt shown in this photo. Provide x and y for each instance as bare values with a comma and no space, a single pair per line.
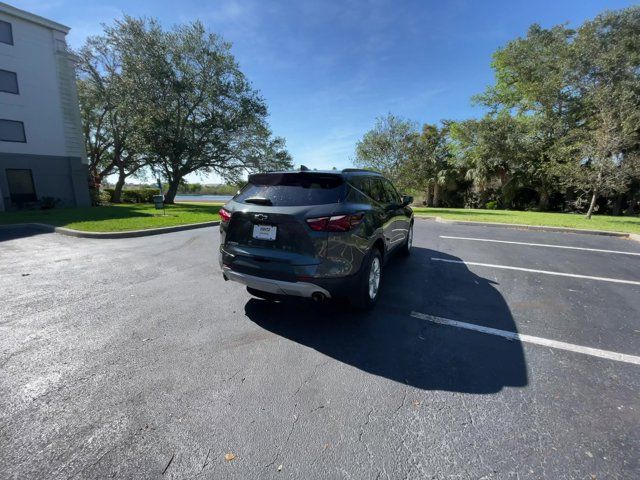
366,422
296,417
279,449
169,463
206,460
308,378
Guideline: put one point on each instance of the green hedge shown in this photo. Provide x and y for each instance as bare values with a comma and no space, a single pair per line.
138,195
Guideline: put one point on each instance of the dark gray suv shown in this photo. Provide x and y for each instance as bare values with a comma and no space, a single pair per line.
317,234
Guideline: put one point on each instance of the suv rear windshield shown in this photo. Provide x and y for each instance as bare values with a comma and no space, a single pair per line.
293,189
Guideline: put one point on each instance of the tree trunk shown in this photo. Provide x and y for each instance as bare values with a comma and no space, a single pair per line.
427,197
543,203
592,204
436,195
504,177
117,192
170,196
631,209
617,205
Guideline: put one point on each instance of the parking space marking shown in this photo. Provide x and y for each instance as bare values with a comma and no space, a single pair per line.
541,245
544,272
594,352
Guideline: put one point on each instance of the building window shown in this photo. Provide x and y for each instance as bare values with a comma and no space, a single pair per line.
21,187
6,34
8,82
12,131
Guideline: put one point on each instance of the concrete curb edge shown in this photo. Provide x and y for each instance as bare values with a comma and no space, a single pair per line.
109,235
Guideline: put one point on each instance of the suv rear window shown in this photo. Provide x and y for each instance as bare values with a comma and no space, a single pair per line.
293,189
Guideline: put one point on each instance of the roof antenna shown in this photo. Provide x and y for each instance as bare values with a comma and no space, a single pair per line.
303,168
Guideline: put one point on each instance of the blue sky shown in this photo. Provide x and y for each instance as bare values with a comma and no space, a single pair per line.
327,69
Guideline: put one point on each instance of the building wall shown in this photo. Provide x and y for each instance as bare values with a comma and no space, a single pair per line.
47,104
62,178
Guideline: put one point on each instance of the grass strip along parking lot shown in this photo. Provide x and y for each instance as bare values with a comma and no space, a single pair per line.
116,218
605,223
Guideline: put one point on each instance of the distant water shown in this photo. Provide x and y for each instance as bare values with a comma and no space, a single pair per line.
203,198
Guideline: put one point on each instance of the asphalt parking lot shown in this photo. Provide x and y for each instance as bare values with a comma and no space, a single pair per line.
134,359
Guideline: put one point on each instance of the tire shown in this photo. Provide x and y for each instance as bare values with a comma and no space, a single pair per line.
270,297
368,291
405,249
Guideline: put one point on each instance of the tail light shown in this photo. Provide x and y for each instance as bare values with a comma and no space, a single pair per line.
225,216
337,223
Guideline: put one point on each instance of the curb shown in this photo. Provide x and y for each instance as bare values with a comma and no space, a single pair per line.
542,228
43,227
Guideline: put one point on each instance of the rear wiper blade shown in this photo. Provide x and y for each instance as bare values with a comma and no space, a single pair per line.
258,200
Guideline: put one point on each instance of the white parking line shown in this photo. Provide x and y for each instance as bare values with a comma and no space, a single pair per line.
544,272
594,352
542,245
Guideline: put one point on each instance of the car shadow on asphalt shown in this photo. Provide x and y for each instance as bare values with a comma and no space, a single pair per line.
390,343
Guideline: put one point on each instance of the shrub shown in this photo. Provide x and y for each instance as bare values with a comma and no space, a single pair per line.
137,195
492,205
99,197
104,198
110,192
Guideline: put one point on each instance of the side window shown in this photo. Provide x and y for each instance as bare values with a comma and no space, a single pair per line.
377,190
358,182
392,194
362,184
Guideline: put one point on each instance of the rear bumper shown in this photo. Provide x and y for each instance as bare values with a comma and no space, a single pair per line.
280,287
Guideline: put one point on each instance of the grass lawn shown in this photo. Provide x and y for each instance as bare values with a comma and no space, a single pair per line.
116,218
597,222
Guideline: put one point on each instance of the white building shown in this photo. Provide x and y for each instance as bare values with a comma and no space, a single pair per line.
41,146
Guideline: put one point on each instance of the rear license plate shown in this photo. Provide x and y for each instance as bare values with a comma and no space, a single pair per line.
264,232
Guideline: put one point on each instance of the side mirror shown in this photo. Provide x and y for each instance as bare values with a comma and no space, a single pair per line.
406,200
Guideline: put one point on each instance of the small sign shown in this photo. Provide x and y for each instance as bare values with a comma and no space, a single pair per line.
158,200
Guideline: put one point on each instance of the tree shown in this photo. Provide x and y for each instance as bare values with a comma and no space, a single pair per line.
496,153
563,117
193,108
607,58
533,85
427,167
388,147
96,133
110,130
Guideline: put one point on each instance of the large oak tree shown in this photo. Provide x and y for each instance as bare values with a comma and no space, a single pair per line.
193,108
